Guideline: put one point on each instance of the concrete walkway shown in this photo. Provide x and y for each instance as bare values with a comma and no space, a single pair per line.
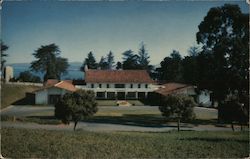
100,127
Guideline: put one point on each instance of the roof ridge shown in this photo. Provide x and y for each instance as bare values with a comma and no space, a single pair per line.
58,83
115,70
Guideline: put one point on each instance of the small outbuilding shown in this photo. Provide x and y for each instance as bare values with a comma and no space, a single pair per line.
202,97
53,91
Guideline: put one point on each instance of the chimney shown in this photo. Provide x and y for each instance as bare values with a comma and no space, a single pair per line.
85,68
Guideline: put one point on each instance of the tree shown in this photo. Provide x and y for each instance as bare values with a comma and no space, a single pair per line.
170,68
130,60
61,66
232,110
179,107
190,67
26,76
49,62
118,65
90,62
3,49
110,60
76,106
193,51
103,64
143,58
224,35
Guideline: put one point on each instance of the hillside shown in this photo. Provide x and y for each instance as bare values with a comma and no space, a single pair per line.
13,93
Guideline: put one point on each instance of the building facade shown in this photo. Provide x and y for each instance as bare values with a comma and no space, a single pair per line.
52,91
118,84
8,73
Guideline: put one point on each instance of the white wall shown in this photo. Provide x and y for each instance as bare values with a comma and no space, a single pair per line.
41,97
112,85
26,83
113,89
204,98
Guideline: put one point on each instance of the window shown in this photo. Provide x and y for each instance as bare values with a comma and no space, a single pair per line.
139,85
131,85
111,95
100,95
119,85
146,85
100,85
107,85
131,95
92,85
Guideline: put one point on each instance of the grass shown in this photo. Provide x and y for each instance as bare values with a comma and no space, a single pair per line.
125,116
136,102
113,102
11,93
34,119
106,102
21,143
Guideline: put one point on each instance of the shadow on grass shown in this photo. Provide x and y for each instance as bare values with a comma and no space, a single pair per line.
214,139
29,99
144,120
197,122
41,119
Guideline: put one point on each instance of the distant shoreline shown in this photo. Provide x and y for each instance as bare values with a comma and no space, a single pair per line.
73,71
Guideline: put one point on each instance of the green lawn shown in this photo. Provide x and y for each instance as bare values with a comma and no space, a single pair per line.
113,102
11,93
114,115
21,143
106,102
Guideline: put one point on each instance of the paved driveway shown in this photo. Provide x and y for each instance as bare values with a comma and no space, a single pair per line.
201,113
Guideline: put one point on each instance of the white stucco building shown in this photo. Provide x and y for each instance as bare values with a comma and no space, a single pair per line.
8,73
52,92
118,84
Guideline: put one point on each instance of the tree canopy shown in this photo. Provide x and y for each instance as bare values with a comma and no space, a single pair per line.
90,61
179,107
103,64
130,60
226,42
118,65
76,106
26,76
143,58
49,62
170,69
110,60
107,63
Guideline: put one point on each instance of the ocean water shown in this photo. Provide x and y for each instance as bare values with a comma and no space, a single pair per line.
73,72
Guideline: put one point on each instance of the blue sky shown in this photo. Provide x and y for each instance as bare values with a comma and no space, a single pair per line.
78,27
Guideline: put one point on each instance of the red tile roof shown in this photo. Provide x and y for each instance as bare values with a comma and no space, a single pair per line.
63,85
117,76
170,88
51,82
66,85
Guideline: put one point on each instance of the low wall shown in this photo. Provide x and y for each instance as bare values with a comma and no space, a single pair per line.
26,83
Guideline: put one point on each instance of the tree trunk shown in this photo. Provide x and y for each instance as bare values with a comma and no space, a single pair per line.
178,125
75,125
232,125
241,127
